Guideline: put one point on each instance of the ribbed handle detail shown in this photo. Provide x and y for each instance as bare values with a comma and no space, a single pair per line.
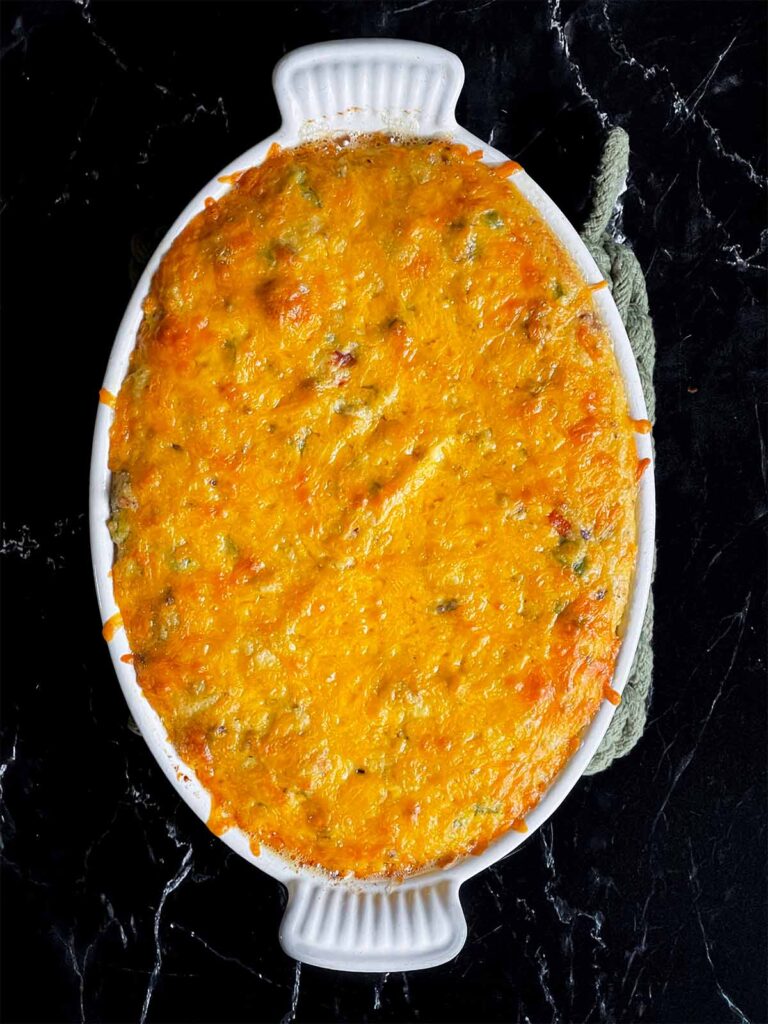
373,929
338,86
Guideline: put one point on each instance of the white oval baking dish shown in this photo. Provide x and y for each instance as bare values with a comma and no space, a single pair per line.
362,86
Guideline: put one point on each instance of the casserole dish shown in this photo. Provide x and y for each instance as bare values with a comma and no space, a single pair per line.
407,89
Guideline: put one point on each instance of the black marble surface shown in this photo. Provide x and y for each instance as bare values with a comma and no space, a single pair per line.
644,899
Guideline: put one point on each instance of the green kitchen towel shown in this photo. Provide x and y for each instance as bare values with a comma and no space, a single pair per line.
622,271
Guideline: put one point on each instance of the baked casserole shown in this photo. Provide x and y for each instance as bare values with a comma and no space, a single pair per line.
373,503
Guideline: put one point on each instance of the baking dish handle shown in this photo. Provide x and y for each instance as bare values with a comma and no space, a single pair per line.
368,85
373,929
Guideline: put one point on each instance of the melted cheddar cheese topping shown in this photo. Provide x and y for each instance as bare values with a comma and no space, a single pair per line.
373,501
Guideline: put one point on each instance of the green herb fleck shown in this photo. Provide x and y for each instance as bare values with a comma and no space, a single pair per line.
230,548
565,551
229,350
178,561
306,189
118,528
493,219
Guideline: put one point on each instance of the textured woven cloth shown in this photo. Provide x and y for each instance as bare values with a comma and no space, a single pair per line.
622,271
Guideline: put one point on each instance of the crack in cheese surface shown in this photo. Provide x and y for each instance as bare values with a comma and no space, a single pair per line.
373,503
